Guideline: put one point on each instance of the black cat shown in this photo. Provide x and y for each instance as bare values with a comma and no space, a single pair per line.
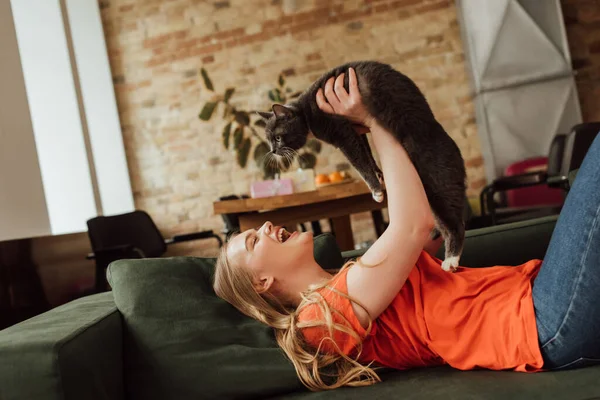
400,107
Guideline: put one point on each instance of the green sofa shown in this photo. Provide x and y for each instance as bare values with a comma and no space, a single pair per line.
162,334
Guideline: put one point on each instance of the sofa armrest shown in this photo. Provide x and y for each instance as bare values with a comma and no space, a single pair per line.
507,244
352,254
71,352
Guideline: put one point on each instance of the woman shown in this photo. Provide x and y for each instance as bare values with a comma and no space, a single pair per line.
396,308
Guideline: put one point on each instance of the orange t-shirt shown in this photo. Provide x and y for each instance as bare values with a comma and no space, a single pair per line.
473,318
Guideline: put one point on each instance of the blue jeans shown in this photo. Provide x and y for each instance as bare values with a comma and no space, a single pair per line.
566,292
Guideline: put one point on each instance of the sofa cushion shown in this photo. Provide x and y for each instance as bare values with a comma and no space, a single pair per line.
451,384
327,252
183,342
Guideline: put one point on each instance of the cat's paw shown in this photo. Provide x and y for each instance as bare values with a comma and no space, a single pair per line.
378,196
450,264
379,175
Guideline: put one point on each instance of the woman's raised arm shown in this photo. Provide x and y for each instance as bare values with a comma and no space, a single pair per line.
383,269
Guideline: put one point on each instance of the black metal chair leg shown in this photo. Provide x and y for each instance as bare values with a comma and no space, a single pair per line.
378,222
316,227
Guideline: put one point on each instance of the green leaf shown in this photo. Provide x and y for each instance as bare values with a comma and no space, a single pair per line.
207,81
228,94
226,110
314,145
260,151
281,80
242,118
260,122
243,151
238,135
278,96
294,95
207,111
272,96
307,160
226,135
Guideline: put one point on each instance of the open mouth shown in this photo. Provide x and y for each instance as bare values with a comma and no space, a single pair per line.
283,235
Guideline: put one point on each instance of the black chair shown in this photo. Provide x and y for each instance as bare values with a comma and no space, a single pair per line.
231,221
577,145
130,235
565,155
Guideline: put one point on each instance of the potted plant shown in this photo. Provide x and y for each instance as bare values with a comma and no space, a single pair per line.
244,130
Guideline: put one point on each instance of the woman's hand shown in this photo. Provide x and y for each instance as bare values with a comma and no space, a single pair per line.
340,102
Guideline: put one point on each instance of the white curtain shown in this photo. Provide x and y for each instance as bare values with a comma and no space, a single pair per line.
520,67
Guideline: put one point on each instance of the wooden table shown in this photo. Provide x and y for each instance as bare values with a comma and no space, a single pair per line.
336,202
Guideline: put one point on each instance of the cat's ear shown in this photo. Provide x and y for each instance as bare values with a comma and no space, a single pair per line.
265,115
282,111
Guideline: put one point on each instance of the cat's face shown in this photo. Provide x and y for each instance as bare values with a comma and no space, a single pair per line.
286,129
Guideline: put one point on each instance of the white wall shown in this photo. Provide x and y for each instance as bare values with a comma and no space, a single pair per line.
22,202
77,156
54,114
101,112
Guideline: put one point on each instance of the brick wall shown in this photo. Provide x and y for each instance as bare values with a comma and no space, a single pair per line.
156,48
582,22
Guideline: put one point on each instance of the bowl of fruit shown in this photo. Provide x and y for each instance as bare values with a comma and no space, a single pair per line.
334,178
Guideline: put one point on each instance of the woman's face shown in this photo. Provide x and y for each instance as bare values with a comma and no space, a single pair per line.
271,251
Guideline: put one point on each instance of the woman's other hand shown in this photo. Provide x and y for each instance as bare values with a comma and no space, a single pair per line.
336,100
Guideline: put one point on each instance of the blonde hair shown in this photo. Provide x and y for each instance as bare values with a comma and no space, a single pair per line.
235,285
